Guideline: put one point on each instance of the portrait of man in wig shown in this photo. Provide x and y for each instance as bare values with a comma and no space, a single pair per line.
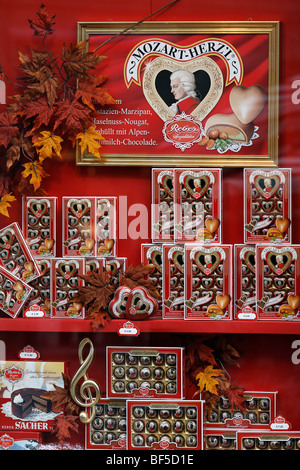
183,88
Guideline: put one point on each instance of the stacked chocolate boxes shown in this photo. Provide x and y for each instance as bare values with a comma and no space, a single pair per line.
204,279
33,280
145,406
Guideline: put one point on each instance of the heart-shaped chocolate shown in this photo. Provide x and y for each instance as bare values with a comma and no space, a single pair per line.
178,260
156,259
157,85
207,262
279,261
196,185
223,301
79,207
294,301
38,207
117,306
267,184
247,103
67,269
140,304
167,184
6,239
282,224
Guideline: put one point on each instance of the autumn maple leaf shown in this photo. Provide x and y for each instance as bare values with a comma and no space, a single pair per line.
8,128
35,172
61,397
48,144
89,141
44,22
5,203
72,116
77,60
207,380
40,110
96,293
90,91
236,397
62,426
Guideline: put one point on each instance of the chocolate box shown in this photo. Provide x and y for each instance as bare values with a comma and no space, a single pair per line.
244,282
259,411
220,439
14,293
108,428
18,440
167,425
268,440
267,206
39,225
173,281
66,277
106,227
79,237
154,373
153,254
208,282
162,216
39,303
15,255
198,205
23,404
278,282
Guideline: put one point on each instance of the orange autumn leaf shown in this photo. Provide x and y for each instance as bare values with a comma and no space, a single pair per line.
35,172
48,144
207,381
5,204
89,141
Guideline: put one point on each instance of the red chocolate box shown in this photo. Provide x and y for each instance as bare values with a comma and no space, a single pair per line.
278,282
198,205
244,282
157,425
173,281
162,205
208,282
267,205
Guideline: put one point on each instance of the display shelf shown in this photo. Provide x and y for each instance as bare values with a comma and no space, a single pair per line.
153,326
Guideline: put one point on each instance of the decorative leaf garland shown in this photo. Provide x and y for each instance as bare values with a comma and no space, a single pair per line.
55,105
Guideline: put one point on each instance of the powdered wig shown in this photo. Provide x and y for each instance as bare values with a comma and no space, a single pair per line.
187,81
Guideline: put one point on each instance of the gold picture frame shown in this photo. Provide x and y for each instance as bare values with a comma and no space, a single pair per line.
247,39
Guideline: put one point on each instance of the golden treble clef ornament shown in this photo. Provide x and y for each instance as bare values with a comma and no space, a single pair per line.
87,399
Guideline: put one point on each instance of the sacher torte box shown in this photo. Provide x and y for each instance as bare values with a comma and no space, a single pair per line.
24,400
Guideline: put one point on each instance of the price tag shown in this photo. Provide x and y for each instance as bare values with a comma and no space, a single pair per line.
128,329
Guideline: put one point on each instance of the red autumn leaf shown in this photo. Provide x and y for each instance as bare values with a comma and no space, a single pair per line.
8,128
77,60
72,116
44,22
89,90
63,425
39,109
236,397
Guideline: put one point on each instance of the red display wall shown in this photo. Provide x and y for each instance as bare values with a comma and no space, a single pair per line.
267,361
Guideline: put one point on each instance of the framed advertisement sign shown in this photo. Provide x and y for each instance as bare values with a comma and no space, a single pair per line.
187,94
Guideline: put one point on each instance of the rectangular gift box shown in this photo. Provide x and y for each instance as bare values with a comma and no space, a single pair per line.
259,411
208,282
107,431
173,282
198,205
20,440
267,205
38,304
278,282
162,215
144,372
153,254
220,439
23,403
78,226
13,293
106,226
165,425
66,277
39,225
244,282
15,255
268,440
